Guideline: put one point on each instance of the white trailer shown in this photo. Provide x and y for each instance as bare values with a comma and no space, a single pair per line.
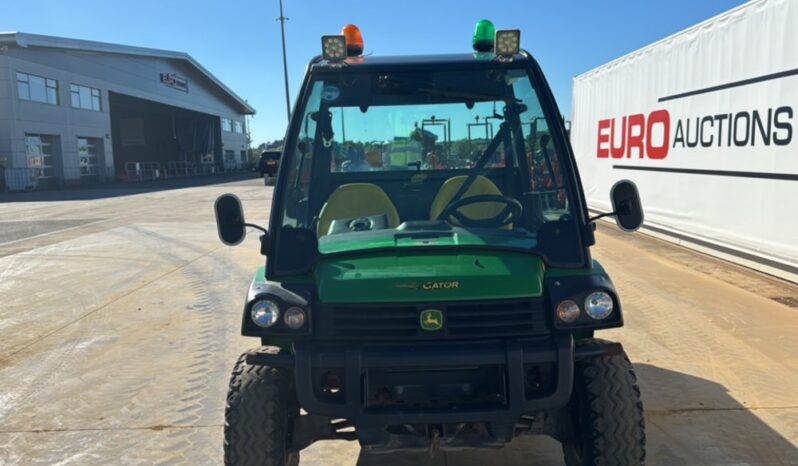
704,122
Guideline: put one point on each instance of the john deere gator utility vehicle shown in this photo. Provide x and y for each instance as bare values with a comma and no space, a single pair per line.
428,281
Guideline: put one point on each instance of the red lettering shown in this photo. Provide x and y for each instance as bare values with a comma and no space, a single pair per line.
655,149
634,140
649,135
617,152
603,138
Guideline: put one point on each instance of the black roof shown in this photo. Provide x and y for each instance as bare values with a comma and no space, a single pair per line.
464,60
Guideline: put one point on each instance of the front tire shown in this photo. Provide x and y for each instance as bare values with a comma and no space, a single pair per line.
258,419
607,413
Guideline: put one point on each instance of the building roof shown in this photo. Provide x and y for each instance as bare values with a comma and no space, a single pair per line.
25,40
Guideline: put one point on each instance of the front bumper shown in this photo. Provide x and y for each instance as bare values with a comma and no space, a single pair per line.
355,363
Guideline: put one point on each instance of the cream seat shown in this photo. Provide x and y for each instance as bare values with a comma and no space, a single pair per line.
356,200
480,186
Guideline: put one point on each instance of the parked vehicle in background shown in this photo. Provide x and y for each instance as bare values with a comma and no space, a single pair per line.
268,164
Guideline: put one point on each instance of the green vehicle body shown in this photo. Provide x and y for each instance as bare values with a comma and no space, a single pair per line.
509,276
363,280
415,332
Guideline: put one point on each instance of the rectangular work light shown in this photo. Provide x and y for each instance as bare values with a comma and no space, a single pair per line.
508,42
333,48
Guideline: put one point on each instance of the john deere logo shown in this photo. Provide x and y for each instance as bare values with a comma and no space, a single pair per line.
431,320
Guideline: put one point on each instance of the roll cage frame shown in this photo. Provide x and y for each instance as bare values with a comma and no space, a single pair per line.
465,62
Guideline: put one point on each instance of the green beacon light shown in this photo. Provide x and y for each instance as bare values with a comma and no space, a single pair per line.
484,36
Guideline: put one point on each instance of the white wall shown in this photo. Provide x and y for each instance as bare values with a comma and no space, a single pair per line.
749,217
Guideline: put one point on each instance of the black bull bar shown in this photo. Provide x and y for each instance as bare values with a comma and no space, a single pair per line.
354,361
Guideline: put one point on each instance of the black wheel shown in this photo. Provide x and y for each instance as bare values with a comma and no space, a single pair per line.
607,414
261,406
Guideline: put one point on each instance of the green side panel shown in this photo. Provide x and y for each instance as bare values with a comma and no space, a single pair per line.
596,269
429,276
260,275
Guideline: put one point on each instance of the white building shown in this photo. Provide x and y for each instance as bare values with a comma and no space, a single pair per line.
75,111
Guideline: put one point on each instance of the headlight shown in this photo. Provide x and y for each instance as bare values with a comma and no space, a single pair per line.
294,318
598,305
265,313
568,311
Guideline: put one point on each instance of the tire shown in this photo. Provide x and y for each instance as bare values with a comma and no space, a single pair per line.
258,418
607,414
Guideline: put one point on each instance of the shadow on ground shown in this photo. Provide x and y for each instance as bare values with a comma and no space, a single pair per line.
102,191
690,420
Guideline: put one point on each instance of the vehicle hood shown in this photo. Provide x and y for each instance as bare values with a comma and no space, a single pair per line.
395,239
419,275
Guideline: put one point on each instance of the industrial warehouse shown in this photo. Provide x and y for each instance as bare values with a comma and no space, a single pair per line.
75,112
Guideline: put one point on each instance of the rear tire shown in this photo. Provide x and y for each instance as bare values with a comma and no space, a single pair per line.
261,407
607,414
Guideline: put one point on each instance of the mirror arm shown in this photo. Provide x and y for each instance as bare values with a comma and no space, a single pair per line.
608,214
257,227
623,209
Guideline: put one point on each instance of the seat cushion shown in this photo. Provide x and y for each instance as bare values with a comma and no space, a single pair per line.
356,200
480,186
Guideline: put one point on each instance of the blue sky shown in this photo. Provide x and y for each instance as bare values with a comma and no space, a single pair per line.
239,41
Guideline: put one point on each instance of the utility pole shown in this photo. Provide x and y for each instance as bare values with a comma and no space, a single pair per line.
282,20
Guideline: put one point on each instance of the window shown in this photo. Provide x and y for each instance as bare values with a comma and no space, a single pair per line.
40,149
227,125
230,162
88,149
86,98
37,88
238,127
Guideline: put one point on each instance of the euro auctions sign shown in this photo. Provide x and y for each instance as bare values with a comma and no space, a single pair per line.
705,123
653,135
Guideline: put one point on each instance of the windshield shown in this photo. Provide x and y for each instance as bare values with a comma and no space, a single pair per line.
466,154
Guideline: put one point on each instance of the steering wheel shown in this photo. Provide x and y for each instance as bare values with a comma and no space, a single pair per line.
511,212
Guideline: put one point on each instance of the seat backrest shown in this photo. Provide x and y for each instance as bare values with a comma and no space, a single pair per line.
480,186
356,200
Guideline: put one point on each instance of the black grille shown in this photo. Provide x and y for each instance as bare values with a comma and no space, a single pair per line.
468,320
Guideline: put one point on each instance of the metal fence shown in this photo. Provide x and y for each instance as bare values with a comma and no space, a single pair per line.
183,169
21,179
27,179
142,171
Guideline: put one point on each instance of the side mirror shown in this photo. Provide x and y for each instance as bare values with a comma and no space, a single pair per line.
626,205
230,219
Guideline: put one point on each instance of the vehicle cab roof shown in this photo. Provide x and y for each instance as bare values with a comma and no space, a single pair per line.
414,62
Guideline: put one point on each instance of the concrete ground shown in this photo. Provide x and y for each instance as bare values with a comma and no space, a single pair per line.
119,320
